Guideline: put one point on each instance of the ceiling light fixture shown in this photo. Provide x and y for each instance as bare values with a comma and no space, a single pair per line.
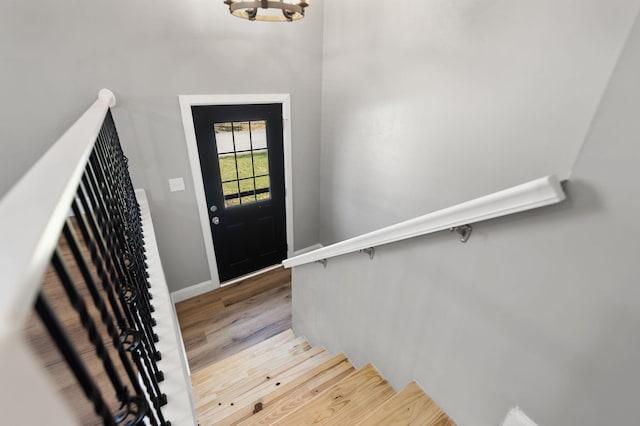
268,10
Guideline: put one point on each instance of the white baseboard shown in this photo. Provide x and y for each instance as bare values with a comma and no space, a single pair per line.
203,287
307,249
192,291
251,275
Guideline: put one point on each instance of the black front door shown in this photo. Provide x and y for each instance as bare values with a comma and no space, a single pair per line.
242,163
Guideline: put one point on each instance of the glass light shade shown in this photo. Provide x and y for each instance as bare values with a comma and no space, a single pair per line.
268,10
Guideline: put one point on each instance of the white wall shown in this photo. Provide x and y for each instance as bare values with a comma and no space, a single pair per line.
435,102
55,56
538,310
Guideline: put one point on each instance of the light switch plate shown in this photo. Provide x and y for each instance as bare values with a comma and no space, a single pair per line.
516,417
176,184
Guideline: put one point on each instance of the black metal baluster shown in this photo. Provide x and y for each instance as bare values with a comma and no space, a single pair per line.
136,320
137,350
77,302
129,218
128,402
135,256
111,234
108,276
56,330
109,219
112,231
97,206
108,172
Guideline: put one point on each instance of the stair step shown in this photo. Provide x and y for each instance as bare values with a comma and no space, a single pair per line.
248,358
220,381
295,393
271,389
345,403
217,406
409,407
242,356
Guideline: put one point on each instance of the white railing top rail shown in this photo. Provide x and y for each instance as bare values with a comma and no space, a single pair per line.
536,193
33,212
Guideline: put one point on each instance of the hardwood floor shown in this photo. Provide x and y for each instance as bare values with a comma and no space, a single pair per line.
286,381
230,319
249,369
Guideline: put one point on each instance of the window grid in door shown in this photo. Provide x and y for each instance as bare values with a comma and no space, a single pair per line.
243,158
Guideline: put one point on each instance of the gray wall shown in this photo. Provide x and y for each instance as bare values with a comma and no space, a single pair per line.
434,103
539,309
55,56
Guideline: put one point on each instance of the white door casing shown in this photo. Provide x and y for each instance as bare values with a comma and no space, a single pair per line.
186,102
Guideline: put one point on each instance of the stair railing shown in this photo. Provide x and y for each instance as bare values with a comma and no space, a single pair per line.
76,213
531,195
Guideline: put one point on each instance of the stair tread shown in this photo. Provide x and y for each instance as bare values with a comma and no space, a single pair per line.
229,381
243,360
299,390
411,406
347,402
272,389
221,404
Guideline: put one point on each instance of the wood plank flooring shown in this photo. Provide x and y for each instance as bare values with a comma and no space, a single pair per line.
411,407
249,369
285,381
230,319
313,383
347,402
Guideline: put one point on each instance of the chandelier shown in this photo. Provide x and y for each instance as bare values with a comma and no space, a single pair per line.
268,10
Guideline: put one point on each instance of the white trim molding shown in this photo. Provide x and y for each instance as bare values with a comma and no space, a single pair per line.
186,102
192,291
207,286
516,417
537,193
251,275
308,249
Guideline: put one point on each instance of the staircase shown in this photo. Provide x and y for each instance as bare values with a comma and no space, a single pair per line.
286,381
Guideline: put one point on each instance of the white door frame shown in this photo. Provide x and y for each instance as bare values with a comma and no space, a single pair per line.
186,102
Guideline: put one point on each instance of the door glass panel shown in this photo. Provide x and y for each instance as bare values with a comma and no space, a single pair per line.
258,135
262,182
262,188
224,137
245,165
247,191
261,162
230,191
228,170
246,187
244,161
242,136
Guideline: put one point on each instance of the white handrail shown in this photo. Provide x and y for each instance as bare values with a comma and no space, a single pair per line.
34,210
536,193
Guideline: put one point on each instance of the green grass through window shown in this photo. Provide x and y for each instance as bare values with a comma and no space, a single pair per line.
241,178
245,170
